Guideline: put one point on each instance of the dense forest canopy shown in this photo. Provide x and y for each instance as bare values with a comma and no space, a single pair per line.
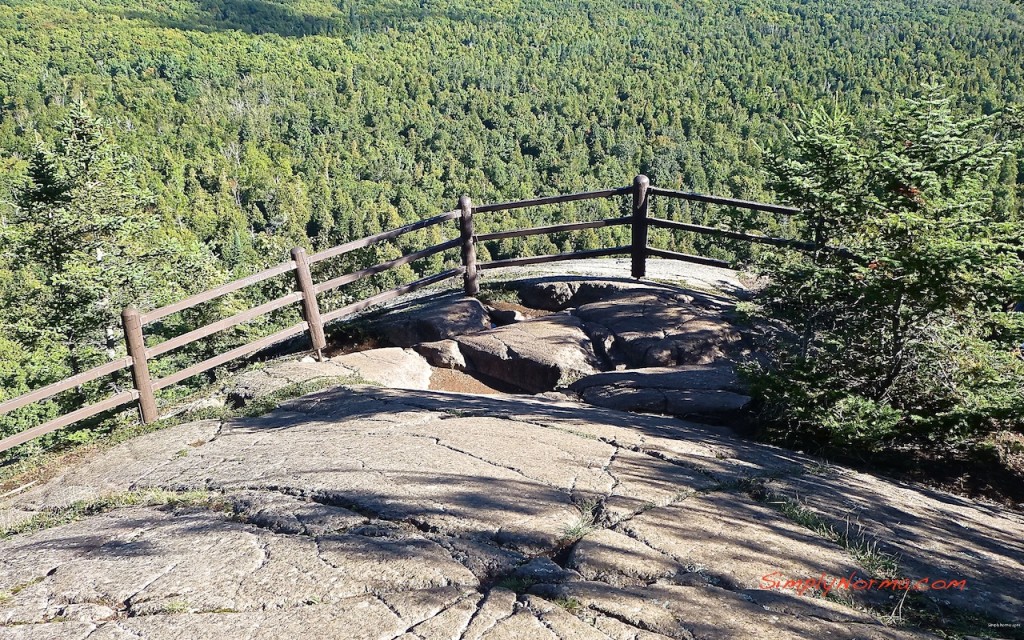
257,122
246,127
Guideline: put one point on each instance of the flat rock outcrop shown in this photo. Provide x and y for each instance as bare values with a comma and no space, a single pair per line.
648,327
390,366
364,512
598,324
704,391
611,324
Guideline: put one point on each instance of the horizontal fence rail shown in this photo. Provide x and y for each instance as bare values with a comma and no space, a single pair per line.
537,202
119,400
555,228
686,257
306,293
362,243
786,243
222,290
356,307
385,266
64,385
228,356
734,235
221,325
727,202
558,257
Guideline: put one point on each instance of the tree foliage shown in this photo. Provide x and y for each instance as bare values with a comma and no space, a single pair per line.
83,230
908,339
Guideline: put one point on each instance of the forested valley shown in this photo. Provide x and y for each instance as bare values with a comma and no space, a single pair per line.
152,150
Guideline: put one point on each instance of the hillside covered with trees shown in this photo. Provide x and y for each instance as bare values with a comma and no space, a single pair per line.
218,134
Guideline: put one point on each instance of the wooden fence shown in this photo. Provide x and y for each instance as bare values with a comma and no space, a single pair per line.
306,291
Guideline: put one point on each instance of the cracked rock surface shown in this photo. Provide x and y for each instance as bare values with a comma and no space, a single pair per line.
362,512
391,366
708,392
401,513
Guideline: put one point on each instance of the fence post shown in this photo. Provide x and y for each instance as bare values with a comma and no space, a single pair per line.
471,284
641,207
136,344
310,307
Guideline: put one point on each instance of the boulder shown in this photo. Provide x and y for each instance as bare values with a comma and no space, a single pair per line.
562,293
661,328
444,354
709,391
536,355
550,296
502,317
435,321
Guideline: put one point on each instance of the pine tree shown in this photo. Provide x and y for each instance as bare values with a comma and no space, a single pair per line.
908,339
88,237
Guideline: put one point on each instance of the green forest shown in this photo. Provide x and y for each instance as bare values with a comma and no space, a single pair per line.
149,151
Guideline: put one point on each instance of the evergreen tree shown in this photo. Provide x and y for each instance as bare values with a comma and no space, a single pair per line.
87,237
907,339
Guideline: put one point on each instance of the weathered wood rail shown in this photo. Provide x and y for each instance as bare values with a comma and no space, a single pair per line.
306,291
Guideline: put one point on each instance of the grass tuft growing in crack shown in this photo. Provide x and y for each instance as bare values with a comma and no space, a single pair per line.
268,403
572,605
584,524
915,610
460,413
5,596
822,469
865,550
176,606
519,584
876,562
84,508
